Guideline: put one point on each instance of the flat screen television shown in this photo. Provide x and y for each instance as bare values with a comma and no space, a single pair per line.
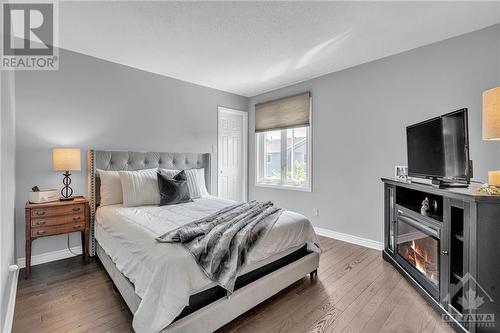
438,149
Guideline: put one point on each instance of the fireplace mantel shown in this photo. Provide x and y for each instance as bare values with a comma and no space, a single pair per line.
448,251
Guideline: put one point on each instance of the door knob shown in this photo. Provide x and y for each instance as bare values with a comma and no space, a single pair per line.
445,252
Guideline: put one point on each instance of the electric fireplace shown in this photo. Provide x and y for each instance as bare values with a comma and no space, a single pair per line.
445,243
418,250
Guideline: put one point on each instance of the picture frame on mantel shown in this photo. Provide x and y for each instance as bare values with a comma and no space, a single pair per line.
401,171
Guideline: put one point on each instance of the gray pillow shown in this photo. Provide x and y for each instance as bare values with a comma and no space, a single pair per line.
173,190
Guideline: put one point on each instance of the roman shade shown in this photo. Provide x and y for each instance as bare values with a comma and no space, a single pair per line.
283,113
491,114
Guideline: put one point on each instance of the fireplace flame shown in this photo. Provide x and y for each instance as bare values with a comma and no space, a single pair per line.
419,257
422,260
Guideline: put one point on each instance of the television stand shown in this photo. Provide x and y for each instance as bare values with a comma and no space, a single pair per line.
448,251
442,184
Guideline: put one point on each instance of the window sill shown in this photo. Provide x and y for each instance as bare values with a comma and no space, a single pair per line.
285,187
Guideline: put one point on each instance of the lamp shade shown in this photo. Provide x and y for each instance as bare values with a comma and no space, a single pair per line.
491,114
66,159
494,178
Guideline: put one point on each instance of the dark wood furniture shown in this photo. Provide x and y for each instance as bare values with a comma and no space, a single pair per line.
462,232
56,218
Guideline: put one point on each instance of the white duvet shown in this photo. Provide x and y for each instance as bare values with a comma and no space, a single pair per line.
164,274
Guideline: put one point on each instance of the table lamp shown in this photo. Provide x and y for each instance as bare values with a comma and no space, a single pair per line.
66,159
491,126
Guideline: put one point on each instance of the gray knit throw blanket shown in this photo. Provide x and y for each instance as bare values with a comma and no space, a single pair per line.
220,242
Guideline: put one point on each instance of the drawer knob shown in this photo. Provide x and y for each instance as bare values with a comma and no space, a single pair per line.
76,226
76,209
76,218
40,212
42,222
40,232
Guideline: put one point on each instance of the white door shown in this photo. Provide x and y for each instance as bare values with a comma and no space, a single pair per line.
232,152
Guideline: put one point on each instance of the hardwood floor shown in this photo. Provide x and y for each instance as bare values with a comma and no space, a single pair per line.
356,291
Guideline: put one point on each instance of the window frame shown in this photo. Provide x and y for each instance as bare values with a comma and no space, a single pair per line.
282,183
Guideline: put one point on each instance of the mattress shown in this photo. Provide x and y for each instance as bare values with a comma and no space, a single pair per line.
165,275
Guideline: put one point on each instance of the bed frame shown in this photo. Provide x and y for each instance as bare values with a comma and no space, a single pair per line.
255,288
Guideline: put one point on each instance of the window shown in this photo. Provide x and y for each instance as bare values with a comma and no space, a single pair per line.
283,142
283,158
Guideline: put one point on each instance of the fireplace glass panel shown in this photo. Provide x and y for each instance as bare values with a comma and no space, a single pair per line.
392,245
420,250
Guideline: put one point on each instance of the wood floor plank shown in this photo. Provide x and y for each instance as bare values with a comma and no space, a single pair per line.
340,263
355,291
397,318
330,294
326,320
313,297
414,315
428,322
355,306
276,316
375,323
371,305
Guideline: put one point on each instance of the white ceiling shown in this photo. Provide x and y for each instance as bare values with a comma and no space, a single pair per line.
252,47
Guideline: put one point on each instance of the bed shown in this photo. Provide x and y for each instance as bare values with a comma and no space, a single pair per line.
160,283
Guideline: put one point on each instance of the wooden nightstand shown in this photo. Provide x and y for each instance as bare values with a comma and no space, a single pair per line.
56,218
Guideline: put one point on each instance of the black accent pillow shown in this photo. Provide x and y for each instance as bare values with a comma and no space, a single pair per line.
173,190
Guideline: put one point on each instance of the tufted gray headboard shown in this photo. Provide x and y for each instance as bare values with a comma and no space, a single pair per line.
128,160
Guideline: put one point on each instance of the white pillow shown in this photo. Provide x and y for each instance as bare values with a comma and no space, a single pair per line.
140,187
111,187
195,180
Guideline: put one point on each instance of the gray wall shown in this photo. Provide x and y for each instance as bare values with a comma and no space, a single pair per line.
7,187
92,103
359,120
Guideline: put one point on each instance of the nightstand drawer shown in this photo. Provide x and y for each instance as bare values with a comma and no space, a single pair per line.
58,220
55,211
58,229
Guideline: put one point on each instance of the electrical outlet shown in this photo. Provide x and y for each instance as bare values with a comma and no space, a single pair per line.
316,211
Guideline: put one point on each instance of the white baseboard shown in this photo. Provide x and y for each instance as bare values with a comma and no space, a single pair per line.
49,256
9,316
350,238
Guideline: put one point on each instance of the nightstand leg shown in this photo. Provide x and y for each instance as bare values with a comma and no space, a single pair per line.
27,255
